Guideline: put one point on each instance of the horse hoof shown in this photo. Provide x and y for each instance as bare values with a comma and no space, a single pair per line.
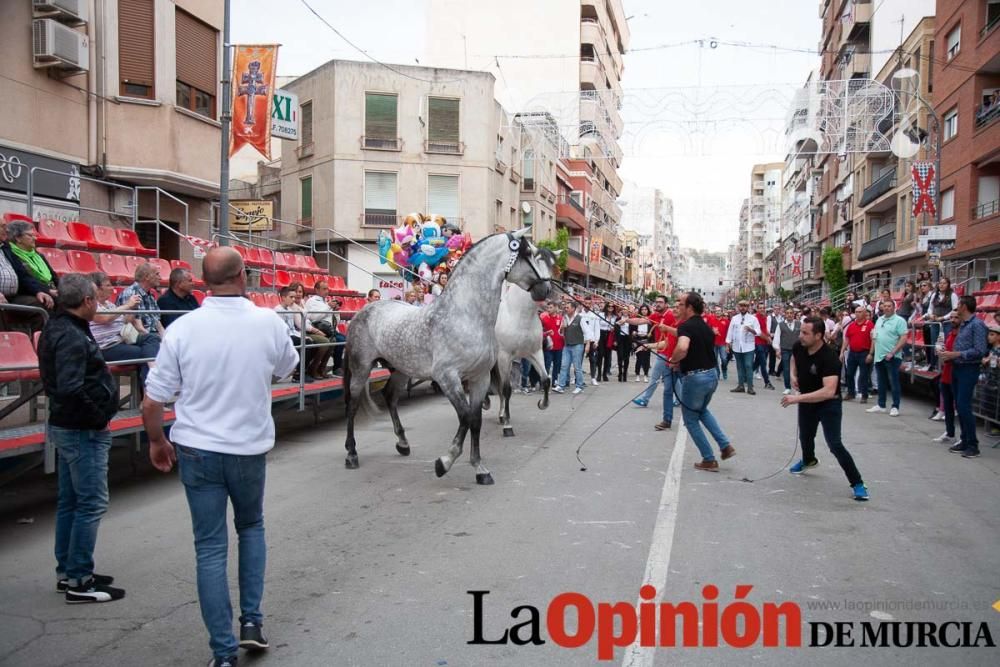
403,449
439,468
484,478
543,405
351,462
508,432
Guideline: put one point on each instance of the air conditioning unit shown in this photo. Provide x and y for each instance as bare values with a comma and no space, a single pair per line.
73,12
55,45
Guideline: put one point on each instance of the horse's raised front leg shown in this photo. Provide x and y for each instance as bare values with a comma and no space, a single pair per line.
483,476
538,361
452,387
391,393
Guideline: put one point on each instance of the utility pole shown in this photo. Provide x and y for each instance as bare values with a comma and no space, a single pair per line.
227,76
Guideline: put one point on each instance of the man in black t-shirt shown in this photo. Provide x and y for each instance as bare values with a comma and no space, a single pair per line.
694,356
816,374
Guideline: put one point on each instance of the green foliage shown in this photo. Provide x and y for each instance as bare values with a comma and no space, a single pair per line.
560,242
833,271
651,296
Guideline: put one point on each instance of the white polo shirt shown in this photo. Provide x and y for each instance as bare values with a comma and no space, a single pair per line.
220,358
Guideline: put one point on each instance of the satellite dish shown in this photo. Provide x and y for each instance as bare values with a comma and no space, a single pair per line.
906,73
525,207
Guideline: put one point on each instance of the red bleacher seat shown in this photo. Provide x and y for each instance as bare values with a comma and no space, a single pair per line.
266,257
130,240
115,267
57,232
82,232
308,281
992,287
258,299
81,261
242,252
16,350
253,258
109,237
337,284
133,262
19,217
309,264
56,259
271,299
279,279
989,302
199,296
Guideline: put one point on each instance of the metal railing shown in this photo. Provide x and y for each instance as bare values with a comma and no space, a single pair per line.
382,144
986,210
157,221
446,147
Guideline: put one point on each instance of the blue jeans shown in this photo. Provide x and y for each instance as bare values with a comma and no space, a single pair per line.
529,376
82,498
857,363
338,351
963,383
211,480
760,361
572,355
888,378
744,368
553,363
722,355
696,393
786,368
661,372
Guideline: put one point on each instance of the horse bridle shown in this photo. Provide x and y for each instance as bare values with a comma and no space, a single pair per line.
515,247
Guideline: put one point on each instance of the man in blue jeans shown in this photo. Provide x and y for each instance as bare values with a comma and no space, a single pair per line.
662,322
82,400
887,354
573,348
223,432
971,347
694,358
743,329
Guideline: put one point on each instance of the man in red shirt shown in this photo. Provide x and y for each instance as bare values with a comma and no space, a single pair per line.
552,344
662,321
763,344
719,324
854,352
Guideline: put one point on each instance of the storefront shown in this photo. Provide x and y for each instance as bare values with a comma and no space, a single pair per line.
55,185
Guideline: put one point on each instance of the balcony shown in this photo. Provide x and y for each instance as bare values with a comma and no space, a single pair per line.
878,246
990,26
855,20
500,162
590,31
444,147
591,72
879,187
381,144
378,219
986,210
987,114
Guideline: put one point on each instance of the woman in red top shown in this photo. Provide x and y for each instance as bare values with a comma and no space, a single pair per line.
947,395
719,324
553,342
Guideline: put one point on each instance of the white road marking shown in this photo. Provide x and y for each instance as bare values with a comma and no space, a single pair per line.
658,561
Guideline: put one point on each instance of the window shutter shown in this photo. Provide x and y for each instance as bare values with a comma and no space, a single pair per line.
442,196
306,137
948,204
380,192
380,116
989,190
442,119
135,43
197,47
306,201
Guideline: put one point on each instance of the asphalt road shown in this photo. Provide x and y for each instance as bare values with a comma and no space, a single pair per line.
373,566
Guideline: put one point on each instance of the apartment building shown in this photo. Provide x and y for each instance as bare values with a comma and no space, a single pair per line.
574,182
966,87
377,143
122,91
764,219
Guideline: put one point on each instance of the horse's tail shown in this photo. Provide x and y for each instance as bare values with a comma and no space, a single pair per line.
367,402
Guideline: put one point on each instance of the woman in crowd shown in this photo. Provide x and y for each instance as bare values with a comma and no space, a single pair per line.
117,342
317,357
908,304
23,238
606,342
438,287
623,339
640,335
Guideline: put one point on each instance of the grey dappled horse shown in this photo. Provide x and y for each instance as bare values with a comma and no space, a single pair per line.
451,341
519,335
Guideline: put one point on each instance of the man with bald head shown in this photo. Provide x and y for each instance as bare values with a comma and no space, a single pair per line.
222,387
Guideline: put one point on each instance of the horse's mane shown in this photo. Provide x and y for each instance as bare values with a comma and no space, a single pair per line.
475,247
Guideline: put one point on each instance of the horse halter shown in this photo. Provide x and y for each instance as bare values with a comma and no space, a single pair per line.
515,250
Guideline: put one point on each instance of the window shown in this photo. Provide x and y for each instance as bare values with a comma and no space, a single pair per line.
380,198
951,124
930,67
528,171
988,199
443,125
306,198
197,64
380,121
442,196
135,48
992,16
306,137
954,42
948,204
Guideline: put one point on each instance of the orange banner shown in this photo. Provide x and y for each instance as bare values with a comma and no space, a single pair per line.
253,93
595,250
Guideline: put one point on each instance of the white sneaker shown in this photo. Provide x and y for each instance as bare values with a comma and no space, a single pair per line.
594,382
557,389
577,391
945,438
894,412
638,378
939,417
874,409
786,392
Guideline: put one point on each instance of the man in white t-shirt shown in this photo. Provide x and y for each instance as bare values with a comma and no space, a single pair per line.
223,431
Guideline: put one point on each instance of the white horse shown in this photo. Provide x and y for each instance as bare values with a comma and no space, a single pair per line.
519,335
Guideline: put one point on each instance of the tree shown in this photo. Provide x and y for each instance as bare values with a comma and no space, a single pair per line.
833,272
560,242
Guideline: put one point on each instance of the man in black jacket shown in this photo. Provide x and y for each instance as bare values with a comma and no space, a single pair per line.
82,400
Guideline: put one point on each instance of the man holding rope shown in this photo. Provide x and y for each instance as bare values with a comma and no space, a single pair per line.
816,373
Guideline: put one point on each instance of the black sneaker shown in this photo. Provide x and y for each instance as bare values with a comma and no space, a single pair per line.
62,585
752,392
252,637
737,390
223,662
970,453
957,448
90,591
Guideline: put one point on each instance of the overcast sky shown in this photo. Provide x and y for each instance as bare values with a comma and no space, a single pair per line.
697,118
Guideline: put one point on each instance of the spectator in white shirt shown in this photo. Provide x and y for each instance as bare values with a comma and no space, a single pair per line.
743,328
222,432
591,336
323,315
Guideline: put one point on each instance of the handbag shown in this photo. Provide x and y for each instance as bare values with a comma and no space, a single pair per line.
129,334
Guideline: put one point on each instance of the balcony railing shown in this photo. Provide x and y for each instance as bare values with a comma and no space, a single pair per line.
381,144
987,113
879,187
989,27
881,245
446,147
986,210
380,219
